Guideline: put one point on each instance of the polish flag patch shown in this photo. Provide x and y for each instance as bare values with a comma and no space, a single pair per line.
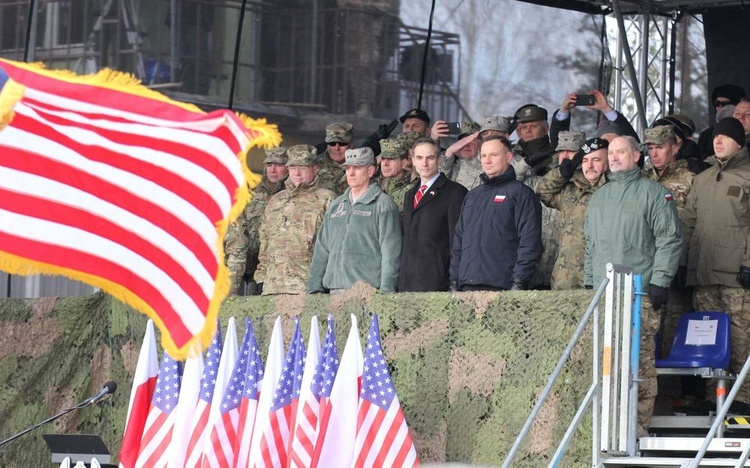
499,198
668,196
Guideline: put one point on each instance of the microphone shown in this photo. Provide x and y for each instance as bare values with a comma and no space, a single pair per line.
108,389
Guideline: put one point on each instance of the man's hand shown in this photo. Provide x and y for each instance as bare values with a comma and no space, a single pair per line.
658,295
534,159
568,166
569,102
439,130
385,130
602,105
456,147
744,277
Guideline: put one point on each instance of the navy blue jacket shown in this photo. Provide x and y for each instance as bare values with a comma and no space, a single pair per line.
498,237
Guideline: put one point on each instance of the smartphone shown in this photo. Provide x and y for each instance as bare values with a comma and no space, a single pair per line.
585,100
454,128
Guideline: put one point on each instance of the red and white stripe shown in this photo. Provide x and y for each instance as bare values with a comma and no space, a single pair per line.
383,438
94,185
304,423
191,378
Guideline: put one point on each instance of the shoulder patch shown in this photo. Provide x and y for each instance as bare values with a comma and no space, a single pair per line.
668,196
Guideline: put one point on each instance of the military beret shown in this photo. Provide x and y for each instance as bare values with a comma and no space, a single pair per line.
593,144
339,133
302,155
569,140
530,113
359,157
276,156
393,149
658,135
415,113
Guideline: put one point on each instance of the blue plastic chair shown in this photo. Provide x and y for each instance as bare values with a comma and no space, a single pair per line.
706,356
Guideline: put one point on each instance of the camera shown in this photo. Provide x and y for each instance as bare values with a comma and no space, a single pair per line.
454,128
585,100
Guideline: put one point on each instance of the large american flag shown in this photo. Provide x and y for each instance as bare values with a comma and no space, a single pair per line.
302,435
157,433
110,183
220,452
196,442
383,437
273,446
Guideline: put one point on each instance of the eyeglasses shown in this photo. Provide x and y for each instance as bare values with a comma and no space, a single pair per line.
718,103
337,143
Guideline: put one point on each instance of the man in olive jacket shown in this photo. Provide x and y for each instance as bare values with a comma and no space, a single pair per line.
633,221
360,238
717,231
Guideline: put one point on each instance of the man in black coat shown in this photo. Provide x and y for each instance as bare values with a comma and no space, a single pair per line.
431,210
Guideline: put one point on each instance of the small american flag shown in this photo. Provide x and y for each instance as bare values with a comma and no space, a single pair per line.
276,437
224,433
249,401
157,433
383,437
321,386
208,383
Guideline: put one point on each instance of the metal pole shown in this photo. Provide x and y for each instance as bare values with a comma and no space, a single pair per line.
172,40
629,59
314,52
28,53
235,62
558,368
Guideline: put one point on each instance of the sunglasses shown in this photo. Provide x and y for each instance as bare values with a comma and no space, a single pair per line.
718,103
337,143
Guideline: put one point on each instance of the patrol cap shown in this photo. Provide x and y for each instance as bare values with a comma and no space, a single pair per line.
658,135
359,157
276,156
467,128
415,113
568,140
593,144
409,138
393,149
496,123
530,113
302,155
339,133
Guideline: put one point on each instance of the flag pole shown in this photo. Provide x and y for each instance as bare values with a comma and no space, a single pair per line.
30,27
425,54
235,62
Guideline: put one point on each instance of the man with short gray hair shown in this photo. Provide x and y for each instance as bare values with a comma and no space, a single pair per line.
360,238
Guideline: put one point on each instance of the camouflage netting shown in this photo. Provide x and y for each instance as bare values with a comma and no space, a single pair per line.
467,367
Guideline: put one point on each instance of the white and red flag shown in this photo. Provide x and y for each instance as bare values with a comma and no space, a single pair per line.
190,388
144,381
110,183
304,422
383,437
220,451
275,441
338,429
157,433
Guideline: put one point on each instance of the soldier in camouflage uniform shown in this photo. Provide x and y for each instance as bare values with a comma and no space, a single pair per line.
331,174
290,225
664,167
716,222
395,179
568,189
461,162
241,244
408,139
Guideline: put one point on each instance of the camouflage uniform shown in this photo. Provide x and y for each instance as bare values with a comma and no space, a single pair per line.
331,174
396,187
290,225
677,178
570,197
241,243
464,171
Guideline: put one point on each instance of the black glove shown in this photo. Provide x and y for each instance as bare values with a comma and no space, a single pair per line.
568,167
588,286
384,130
743,277
518,285
658,295
534,159
680,278
259,289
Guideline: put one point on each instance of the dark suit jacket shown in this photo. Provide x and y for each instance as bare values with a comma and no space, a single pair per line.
428,234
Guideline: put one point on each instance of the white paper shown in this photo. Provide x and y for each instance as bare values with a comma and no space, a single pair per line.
701,332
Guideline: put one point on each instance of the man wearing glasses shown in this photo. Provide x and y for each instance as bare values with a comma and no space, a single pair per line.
742,113
331,174
724,98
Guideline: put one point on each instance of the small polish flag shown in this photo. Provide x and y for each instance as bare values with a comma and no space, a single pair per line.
499,198
668,196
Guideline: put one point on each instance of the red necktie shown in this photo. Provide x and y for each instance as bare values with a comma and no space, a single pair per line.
418,196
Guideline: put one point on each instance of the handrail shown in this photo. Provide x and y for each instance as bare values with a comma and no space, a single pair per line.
593,305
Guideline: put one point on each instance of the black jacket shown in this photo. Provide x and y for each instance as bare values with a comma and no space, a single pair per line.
498,237
428,234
